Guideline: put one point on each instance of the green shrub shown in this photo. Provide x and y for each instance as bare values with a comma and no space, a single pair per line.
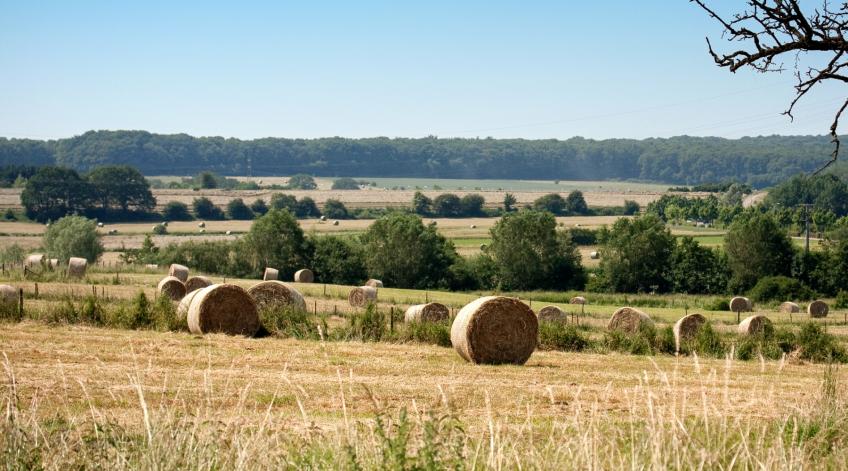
841,300
163,315
780,288
664,342
160,229
140,311
436,333
819,346
707,342
638,343
369,325
718,305
769,343
289,322
562,336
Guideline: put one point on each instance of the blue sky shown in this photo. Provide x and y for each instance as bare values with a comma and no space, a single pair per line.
532,69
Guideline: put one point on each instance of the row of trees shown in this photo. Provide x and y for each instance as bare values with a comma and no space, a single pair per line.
759,161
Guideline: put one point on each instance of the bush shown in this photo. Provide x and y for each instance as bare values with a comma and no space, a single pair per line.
583,236
436,333
707,342
770,343
204,208
259,207
345,183
176,211
780,288
306,208
236,209
562,336
289,322
302,181
160,229
338,260
719,304
335,209
73,236
819,346
841,300
369,325
639,343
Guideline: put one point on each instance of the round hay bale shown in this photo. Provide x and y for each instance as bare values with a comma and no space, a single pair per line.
473,226
271,274
202,231
430,312
197,282
179,272
483,246
362,296
594,255
35,262
76,267
374,283
323,218
754,324
687,328
740,304
628,319
789,307
185,303
818,309
99,224
165,223
495,330
335,223
229,233
8,295
552,314
223,308
578,300
171,287
201,224
304,276
273,293
53,263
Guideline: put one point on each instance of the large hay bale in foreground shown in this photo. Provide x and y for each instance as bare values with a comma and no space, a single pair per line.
740,304
818,309
304,276
552,314
374,283
77,267
171,287
185,303
430,312
578,300
362,296
628,319
789,307
195,283
179,272
8,295
495,330
686,328
271,274
273,293
754,325
225,309
35,262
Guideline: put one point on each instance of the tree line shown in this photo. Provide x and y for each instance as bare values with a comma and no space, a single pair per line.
758,161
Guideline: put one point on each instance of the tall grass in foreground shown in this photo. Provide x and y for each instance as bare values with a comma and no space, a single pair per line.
657,424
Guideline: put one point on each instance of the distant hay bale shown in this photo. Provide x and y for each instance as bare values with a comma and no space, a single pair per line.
202,231
229,233
789,307
35,262
197,282
817,309
473,226
430,312
495,330
179,272
185,303
304,276
76,267
99,224
201,224
740,304
224,309
335,223
686,328
552,314
271,274
171,287
323,218
362,296
594,255
273,293
8,295
578,300
754,324
628,319
374,283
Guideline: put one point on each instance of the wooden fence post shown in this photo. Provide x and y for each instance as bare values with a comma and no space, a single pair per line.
20,303
392,319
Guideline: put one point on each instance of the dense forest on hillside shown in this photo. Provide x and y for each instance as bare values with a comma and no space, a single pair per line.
759,161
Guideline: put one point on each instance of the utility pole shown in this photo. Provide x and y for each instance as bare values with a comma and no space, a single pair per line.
806,228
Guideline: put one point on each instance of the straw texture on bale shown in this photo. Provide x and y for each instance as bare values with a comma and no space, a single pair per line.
740,304
304,276
185,303
8,295
172,287
362,296
35,262
552,314
753,324
179,272
430,312
77,266
271,274
273,293
628,319
374,283
578,300
686,328
495,330
789,307
817,309
224,309
195,283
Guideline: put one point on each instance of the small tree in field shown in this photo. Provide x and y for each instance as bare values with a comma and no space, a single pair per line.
276,240
73,236
756,247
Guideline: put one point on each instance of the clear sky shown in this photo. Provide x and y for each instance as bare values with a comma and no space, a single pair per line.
532,69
